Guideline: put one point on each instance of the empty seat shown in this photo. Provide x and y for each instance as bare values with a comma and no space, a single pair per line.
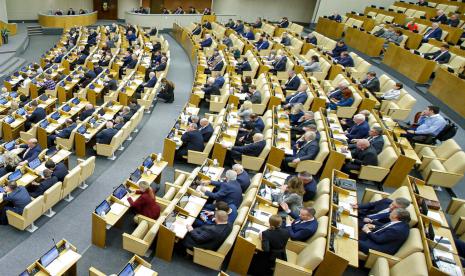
140,240
303,262
51,197
447,173
415,264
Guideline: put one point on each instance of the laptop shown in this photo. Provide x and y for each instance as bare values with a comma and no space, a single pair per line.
13,94
135,176
66,108
81,130
148,162
49,257
34,163
92,121
75,101
43,97
9,119
101,111
44,124
21,111
103,208
348,184
55,116
128,270
15,175
3,100
120,192
10,145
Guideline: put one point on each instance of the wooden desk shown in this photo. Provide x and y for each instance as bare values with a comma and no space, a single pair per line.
11,131
67,21
368,23
330,28
100,224
399,18
449,88
412,66
429,12
364,42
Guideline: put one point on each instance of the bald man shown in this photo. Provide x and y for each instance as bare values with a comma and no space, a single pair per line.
253,149
88,110
363,155
105,136
32,151
205,129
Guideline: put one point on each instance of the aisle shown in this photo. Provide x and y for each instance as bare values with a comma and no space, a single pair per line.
74,221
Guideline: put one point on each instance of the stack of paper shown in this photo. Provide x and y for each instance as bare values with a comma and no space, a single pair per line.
117,208
347,230
143,271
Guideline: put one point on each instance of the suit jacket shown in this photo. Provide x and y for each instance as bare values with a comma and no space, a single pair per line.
37,115
346,62
359,131
264,45
300,97
373,207
193,140
160,67
244,66
286,41
255,98
388,239
280,65
206,132
302,231
219,81
441,19
206,42
30,154
239,28
371,85
86,113
365,157
19,199
284,24
132,64
259,125
292,84
308,151
277,240
44,186
218,66
244,180
58,58
229,192
151,83
66,132
438,56
377,143
197,30
105,136
338,50
253,149
112,85
430,33
310,190
60,171
250,35
208,236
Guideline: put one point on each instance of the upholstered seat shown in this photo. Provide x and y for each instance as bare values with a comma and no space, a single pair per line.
314,166
447,173
303,262
386,159
401,109
198,157
31,213
323,187
413,265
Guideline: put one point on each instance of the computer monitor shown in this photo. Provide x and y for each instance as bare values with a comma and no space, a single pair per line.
49,257
430,235
424,208
120,192
148,162
92,121
103,208
9,119
44,124
10,145
101,112
128,270
24,273
66,108
55,116
21,111
34,163
135,176
81,130
75,101
3,100
15,175
43,97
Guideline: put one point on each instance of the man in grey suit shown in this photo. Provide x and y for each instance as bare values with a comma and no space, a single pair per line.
308,151
375,138
254,95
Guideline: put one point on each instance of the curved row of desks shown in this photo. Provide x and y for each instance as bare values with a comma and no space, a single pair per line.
67,21
166,21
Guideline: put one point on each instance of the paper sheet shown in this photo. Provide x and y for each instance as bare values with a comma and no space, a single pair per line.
143,271
434,215
117,208
347,230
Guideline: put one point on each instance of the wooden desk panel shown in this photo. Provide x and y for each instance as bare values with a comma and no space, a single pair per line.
67,21
364,42
329,28
450,89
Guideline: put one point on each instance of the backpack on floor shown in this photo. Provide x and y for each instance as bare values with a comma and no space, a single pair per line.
448,131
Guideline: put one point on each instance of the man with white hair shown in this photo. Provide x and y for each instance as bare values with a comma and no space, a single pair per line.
299,97
440,17
105,136
292,83
228,191
88,110
253,149
433,32
308,151
191,140
31,152
242,177
152,81
210,88
360,128
363,155
205,129
337,93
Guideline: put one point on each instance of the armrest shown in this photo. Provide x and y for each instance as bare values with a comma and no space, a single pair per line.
346,111
287,268
373,255
80,160
15,219
142,217
295,246
459,228
369,193
419,147
208,258
252,162
400,114
310,166
443,179
95,272
196,157
454,204
134,245
373,173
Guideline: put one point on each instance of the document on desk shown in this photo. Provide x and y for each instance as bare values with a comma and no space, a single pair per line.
117,208
55,267
435,216
255,228
143,271
69,257
262,215
27,178
277,181
347,230
346,206
279,174
231,132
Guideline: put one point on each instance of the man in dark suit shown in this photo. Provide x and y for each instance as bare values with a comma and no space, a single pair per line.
389,237
207,42
243,66
298,97
253,149
242,177
432,32
258,23
210,88
264,44
371,82
285,40
36,116
229,191
197,30
307,119
31,152
292,83
161,65
219,79
360,128
59,170
284,23
126,113
209,236
39,188
442,56
88,110
304,225
16,199
377,212
345,60
375,138
246,133
110,83
363,155
338,49
71,11
310,185
308,151
422,3
64,133
336,17
239,27
279,65
191,140
248,34
440,17
105,136
205,129
258,123
149,84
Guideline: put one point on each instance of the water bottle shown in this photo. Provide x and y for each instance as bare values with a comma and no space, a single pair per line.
215,163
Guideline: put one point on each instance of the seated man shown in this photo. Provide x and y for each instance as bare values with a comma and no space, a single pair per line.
209,236
59,170
208,217
126,114
307,119
149,84
279,64
254,96
36,116
292,83
310,185
392,94
64,133
433,32
243,66
304,225
242,177
210,88
299,97
363,155
264,44
285,39
246,133
284,23
38,188
371,82
375,138
308,151
440,17
206,129
228,191
207,42
31,152
16,198
430,124
258,123
336,17
88,110
441,56
345,60
253,149
360,128
377,212
192,139
387,238
105,136
338,49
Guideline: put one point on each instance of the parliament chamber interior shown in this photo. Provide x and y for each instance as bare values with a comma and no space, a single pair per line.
219,137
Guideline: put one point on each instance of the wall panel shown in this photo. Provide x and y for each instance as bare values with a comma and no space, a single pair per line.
28,9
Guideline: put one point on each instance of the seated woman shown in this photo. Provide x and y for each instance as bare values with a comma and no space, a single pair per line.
274,242
313,65
167,91
347,99
297,111
10,162
245,111
291,197
146,204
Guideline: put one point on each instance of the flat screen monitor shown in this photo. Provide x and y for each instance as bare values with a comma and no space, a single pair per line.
120,192
15,175
10,145
103,208
66,108
49,257
148,162
128,270
55,116
34,163
135,176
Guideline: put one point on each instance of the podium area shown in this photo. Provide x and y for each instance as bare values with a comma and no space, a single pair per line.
67,21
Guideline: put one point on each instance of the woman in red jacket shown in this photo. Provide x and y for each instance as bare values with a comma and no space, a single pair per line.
146,204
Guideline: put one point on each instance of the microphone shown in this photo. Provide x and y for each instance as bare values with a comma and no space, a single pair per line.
437,243
54,241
